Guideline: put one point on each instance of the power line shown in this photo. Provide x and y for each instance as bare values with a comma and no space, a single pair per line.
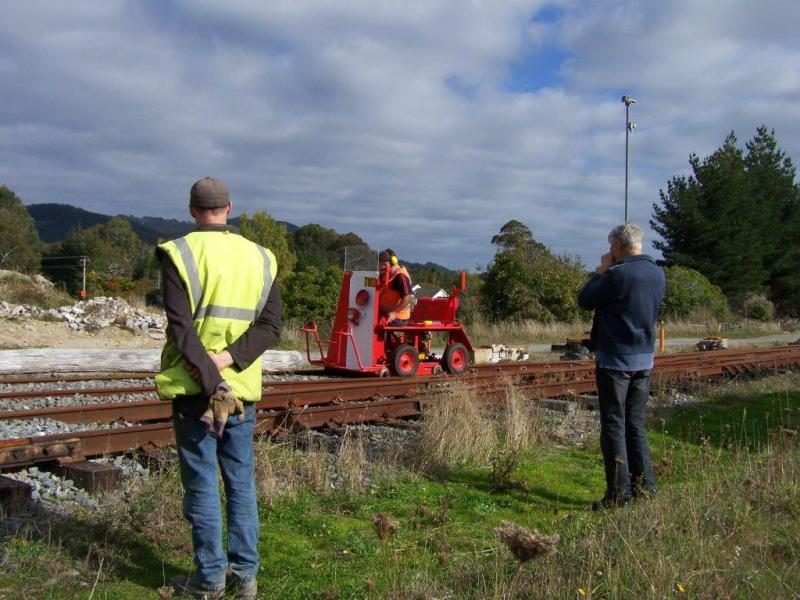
64,257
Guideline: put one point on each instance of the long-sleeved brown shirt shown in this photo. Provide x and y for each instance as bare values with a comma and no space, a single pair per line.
261,335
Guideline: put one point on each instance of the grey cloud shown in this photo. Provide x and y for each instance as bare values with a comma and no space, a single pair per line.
341,113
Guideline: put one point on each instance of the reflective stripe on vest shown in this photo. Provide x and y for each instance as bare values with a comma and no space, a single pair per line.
228,280
196,288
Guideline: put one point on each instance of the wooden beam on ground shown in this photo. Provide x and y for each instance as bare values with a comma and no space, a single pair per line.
90,360
91,476
14,495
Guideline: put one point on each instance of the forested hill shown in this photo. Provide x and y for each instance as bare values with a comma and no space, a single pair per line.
55,221
314,245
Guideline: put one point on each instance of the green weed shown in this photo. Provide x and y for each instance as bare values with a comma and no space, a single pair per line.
725,524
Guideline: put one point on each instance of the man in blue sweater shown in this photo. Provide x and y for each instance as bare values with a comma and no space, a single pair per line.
625,292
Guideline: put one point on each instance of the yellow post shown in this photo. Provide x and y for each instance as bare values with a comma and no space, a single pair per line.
662,338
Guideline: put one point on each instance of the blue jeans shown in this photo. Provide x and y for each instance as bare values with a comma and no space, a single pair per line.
623,439
199,454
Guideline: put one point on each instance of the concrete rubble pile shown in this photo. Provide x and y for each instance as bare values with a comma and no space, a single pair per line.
92,315
500,353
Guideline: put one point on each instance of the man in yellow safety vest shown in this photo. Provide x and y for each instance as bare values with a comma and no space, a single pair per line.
223,309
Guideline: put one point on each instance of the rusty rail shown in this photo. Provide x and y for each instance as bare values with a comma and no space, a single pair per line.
338,402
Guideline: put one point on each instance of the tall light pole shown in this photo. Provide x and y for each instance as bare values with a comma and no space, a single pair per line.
627,101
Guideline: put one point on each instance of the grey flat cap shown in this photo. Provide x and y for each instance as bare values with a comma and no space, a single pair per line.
209,193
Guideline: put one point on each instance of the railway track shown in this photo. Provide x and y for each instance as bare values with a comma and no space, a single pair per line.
145,421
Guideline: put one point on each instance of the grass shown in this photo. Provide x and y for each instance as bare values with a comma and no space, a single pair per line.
726,523
526,332
739,329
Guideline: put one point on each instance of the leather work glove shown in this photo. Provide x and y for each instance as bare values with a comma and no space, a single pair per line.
222,404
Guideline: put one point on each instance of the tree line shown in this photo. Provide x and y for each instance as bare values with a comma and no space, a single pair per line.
727,241
736,220
118,263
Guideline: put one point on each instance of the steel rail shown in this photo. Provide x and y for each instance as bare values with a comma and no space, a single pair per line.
79,446
16,379
309,404
715,357
546,376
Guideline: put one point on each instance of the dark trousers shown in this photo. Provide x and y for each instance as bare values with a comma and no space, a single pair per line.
623,440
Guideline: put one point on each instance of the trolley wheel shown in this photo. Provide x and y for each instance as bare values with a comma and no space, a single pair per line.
405,360
437,370
384,372
456,358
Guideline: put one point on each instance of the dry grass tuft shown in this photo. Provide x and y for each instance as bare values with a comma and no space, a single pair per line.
282,471
165,592
523,425
275,475
526,331
385,526
153,505
351,460
702,324
524,543
313,463
455,431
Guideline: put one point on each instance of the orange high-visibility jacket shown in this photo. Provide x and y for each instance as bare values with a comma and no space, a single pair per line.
390,298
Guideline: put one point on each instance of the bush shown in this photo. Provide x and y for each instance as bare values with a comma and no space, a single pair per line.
17,288
526,280
688,291
311,293
758,308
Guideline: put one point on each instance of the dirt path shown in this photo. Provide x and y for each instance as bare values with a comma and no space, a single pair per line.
764,340
684,343
31,333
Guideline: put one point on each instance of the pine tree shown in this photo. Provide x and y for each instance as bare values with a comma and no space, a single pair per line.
777,199
731,220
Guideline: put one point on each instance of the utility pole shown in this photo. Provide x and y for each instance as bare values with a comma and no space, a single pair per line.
84,260
627,101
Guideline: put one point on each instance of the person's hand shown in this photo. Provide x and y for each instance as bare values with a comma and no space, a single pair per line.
605,262
222,404
194,372
221,360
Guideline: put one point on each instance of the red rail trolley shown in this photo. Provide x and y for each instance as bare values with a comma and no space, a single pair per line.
362,343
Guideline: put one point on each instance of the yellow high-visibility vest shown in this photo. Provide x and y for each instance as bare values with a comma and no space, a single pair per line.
228,279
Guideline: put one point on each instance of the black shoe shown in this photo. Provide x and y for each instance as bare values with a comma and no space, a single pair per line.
184,586
606,503
244,590
643,494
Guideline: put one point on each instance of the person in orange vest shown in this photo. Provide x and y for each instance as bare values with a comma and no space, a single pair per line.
397,299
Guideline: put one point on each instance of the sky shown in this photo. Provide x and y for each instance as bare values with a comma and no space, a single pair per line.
423,125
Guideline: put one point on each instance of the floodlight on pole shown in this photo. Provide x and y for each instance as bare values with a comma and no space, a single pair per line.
627,101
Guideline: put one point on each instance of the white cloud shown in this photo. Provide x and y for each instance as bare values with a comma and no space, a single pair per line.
391,120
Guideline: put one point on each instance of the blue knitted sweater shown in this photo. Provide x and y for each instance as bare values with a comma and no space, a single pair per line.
626,299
